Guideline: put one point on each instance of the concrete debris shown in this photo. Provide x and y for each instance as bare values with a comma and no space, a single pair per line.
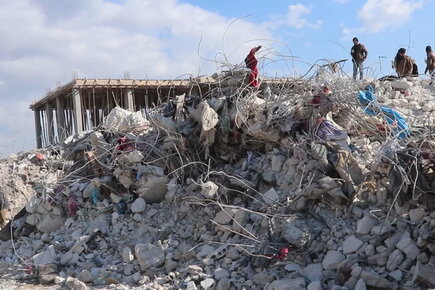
284,187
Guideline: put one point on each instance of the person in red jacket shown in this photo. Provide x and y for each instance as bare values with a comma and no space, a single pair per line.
251,63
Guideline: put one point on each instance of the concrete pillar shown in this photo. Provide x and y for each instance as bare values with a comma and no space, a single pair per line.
60,117
38,129
77,107
128,100
50,122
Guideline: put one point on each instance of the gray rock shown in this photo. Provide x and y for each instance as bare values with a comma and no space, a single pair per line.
47,257
240,219
191,286
395,258
370,278
207,283
224,217
365,224
316,285
194,269
223,284
332,260
75,284
149,255
277,162
396,275
351,244
50,223
220,273
209,189
360,285
152,188
292,267
416,214
127,255
85,276
270,196
313,272
262,279
287,284
408,246
138,206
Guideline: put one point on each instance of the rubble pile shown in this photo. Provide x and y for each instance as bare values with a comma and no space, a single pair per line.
311,184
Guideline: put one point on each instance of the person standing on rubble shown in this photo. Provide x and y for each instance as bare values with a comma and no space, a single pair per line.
251,63
430,62
403,63
359,55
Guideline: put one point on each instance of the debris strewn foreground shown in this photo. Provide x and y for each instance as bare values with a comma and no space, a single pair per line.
237,189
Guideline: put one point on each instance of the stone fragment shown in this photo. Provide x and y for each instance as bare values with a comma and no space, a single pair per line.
138,206
85,276
240,219
365,224
270,196
416,214
224,217
262,279
287,284
360,285
207,283
220,273
408,246
149,255
316,285
332,260
292,267
370,278
191,286
396,275
351,244
223,284
152,188
75,284
313,272
50,223
395,258
47,257
47,273
209,189
127,255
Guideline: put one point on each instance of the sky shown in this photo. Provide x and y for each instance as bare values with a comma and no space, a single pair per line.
43,43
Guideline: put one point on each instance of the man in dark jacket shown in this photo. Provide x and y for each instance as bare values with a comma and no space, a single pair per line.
430,61
359,55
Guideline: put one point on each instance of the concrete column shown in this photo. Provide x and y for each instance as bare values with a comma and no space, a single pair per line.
128,100
77,106
60,117
50,123
38,130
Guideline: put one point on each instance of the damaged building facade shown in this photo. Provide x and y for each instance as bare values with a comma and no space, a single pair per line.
82,104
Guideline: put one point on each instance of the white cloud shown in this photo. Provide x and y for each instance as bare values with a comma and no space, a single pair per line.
43,42
377,15
296,17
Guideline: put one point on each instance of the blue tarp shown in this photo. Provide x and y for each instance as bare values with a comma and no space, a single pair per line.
396,122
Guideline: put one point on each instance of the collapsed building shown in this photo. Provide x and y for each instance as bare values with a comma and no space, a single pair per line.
316,183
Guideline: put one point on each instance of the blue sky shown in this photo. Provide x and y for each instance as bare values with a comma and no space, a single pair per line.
45,42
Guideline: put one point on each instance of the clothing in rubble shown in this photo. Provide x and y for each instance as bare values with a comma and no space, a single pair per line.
251,63
359,55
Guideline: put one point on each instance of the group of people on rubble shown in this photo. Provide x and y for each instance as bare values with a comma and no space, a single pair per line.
403,63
